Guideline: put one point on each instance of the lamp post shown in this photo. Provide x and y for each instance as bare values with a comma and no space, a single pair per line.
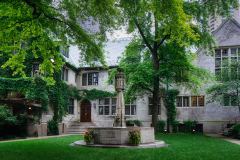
120,108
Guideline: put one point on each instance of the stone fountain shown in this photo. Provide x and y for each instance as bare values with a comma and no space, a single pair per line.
118,135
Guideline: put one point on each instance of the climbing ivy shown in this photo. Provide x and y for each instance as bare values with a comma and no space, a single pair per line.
36,89
33,89
96,94
170,103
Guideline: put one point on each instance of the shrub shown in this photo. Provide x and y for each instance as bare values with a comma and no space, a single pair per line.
134,122
236,131
53,127
6,117
8,123
130,123
189,126
88,136
135,137
137,123
161,126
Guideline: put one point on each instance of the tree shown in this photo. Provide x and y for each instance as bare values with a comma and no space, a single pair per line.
226,90
158,22
175,68
41,27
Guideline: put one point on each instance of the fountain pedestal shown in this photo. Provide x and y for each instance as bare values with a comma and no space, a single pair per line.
120,135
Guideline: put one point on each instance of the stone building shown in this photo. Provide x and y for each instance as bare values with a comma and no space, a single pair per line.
213,117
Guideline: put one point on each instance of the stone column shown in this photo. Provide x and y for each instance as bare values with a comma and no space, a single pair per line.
120,108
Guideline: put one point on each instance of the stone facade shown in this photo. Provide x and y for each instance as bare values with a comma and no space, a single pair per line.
213,116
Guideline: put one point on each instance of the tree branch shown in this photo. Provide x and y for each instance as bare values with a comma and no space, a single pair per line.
142,34
162,40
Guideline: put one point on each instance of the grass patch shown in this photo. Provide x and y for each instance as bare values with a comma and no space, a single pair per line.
181,147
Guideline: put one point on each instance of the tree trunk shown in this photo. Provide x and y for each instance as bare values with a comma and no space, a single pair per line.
155,89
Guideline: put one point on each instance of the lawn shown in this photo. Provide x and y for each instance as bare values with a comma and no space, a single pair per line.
181,147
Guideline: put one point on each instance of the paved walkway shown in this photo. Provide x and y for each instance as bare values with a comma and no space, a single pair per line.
235,141
34,138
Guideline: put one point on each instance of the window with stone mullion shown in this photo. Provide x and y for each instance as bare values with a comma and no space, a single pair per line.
130,109
107,106
224,57
104,106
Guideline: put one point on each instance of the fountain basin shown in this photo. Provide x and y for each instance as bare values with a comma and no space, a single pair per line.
120,135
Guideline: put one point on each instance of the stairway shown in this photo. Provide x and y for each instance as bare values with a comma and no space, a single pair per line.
79,127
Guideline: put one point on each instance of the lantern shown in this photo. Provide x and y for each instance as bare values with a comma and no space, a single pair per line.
119,81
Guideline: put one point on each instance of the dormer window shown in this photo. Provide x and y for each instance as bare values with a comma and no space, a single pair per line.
90,79
65,51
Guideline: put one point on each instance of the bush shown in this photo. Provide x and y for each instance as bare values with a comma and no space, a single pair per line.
8,123
236,131
135,137
133,122
130,123
53,127
137,123
88,136
161,126
189,126
6,117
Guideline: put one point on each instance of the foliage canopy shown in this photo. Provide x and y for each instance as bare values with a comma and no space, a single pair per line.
40,28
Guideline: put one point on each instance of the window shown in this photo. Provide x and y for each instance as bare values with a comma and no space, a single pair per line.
65,74
35,69
196,101
104,106
223,58
182,101
84,79
90,78
65,51
185,101
71,106
218,53
225,52
233,51
201,101
110,81
230,100
150,102
107,106
179,101
130,109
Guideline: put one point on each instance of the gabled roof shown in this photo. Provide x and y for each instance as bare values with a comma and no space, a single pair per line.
228,33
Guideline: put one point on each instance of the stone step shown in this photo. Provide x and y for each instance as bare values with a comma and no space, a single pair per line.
79,127
82,123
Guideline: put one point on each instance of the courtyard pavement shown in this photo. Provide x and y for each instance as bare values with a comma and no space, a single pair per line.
235,141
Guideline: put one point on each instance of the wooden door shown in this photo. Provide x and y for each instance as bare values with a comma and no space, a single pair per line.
85,111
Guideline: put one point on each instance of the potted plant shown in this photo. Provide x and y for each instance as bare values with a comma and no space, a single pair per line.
88,137
135,137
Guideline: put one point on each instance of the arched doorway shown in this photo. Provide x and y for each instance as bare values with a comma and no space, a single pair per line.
85,111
